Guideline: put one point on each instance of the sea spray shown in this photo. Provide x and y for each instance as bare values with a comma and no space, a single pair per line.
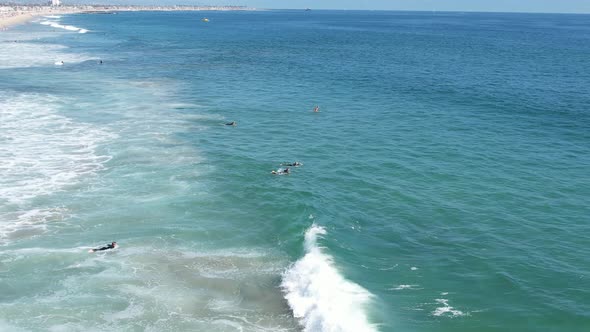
320,297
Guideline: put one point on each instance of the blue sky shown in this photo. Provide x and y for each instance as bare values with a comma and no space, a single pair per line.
559,6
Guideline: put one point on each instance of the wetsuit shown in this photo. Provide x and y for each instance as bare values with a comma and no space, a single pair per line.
109,246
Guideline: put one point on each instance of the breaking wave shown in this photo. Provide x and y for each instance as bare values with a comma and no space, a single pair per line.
320,297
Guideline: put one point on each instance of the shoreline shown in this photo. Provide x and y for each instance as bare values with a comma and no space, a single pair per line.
11,16
8,22
22,15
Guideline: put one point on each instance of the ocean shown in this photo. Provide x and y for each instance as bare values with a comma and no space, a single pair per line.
444,185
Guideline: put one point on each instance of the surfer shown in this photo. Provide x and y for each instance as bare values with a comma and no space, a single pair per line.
113,245
281,171
295,164
316,108
233,123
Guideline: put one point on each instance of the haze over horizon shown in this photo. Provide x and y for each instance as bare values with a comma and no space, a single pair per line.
533,6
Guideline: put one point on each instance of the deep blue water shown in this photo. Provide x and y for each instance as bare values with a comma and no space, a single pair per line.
445,181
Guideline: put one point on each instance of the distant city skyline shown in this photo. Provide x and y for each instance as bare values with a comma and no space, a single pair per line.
547,6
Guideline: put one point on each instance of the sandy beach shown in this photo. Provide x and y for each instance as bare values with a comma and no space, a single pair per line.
8,21
15,15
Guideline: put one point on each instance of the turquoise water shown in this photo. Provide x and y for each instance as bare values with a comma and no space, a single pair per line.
445,182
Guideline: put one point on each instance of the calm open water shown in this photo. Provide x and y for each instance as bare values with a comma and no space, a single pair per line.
445,183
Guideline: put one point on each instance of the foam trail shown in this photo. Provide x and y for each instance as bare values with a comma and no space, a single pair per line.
55,24
320,297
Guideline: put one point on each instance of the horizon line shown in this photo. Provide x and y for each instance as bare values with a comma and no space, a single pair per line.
302,9
428,11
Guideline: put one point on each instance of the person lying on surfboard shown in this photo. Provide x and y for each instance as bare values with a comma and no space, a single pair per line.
295,164
113,245
281,171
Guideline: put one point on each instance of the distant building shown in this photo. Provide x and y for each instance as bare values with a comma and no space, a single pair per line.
55,2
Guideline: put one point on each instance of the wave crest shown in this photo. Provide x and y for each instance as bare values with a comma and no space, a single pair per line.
320,297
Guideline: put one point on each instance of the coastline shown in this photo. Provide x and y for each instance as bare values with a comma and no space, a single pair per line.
7,22
11,16
15,15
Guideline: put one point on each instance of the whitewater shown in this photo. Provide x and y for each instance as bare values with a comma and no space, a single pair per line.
320,296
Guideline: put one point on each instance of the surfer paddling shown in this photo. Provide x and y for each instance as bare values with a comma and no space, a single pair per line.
295,164
113,245
281,171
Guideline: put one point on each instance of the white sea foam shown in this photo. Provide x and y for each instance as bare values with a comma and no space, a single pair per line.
320,297
28,222
42,152
55,24
446,309
402,287
29,54
388,268
72,28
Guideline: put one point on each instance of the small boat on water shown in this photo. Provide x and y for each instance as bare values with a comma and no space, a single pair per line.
204,19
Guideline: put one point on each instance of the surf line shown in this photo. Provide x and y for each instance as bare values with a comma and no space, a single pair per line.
54,24
320,297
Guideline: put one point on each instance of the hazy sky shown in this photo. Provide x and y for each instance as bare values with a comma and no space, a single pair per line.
571,6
